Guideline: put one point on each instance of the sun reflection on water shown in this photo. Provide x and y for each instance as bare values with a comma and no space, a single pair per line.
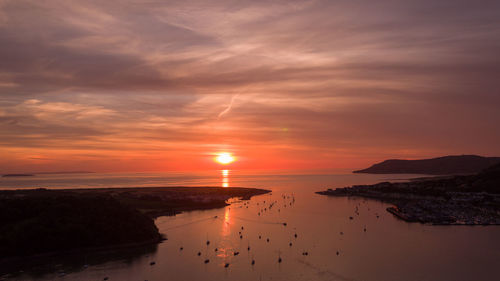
224,246
225,178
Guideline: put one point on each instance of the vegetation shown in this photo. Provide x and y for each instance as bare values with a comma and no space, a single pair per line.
473,199
43,221
447,165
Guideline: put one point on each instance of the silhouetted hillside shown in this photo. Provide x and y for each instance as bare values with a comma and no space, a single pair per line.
461,199
40,221
447,165
46,221
488,180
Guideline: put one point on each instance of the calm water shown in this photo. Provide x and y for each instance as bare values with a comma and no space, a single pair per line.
389,249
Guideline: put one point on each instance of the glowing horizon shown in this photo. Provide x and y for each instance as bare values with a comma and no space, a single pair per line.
142,86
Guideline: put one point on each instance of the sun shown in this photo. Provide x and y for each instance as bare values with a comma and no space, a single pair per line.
224,158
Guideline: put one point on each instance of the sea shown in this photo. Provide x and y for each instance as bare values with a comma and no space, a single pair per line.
291,233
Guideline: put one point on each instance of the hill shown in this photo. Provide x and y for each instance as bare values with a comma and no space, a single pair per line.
43,221
462,199
447,165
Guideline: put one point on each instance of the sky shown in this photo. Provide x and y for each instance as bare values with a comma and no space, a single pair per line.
150,85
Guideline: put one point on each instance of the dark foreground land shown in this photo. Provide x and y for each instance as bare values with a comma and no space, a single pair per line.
469,200
45,221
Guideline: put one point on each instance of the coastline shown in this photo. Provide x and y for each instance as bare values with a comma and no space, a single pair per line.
145,203
442,201
15,264
169,201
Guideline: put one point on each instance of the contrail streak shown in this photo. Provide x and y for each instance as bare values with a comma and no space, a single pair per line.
225,111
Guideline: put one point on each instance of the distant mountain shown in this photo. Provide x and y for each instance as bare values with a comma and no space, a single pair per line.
63,172
488,180
444,200
17,175
46,173
447,165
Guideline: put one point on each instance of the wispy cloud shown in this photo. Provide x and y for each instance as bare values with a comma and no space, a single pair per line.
225,111
351,80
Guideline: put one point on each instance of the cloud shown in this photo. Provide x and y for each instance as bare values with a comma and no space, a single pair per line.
225,111
346,78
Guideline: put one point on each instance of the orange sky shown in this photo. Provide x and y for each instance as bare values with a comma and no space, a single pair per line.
152,86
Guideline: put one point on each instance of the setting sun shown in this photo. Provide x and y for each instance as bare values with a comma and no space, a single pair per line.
224,158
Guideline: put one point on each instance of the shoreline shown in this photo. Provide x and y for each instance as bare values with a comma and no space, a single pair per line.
457,200
170,201
145,203
401,209
36,259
